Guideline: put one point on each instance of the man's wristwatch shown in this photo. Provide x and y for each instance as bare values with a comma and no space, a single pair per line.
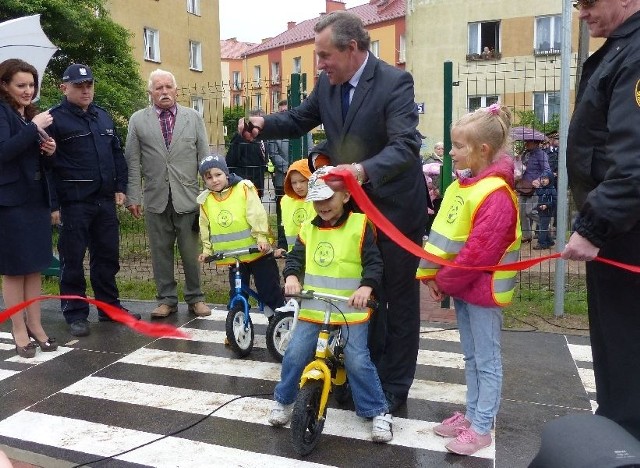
359,173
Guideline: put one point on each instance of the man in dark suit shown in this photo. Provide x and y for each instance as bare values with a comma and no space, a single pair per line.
377,141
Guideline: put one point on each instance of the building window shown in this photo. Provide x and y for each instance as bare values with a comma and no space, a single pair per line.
402,52
258,101
275,99
236,81
484,41
236,100
197,104
297,65
275,72
546,106
256,76
193,7
476,102
375,48
548,35
151,45
195,55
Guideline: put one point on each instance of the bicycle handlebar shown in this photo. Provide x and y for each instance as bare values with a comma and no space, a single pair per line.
233,253
310,294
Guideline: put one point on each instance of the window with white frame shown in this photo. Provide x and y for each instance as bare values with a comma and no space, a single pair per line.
375,48
197,104
402,53
297,65
476,102
275,72
257,76
548,34
193,7
258,101
151,44
546,105
195,55
484,34
236,80
236,100
275,99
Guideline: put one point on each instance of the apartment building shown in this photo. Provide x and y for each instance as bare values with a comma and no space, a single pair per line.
232,54
181,36
267,67
506,50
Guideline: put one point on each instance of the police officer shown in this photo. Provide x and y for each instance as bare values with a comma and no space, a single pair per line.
90,178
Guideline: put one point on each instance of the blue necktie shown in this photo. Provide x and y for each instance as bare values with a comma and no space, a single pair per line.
345,89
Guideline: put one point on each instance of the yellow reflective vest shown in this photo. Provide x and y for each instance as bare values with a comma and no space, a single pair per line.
228,226
451,228
294,213
333,265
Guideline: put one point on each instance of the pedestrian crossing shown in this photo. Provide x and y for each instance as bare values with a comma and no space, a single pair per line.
581,354
172,383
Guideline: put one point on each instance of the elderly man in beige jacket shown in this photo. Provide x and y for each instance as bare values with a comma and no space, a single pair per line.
165,144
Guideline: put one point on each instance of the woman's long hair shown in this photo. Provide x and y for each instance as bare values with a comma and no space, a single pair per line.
8,69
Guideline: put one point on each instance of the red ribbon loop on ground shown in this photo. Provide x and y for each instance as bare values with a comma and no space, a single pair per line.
117,314
390,230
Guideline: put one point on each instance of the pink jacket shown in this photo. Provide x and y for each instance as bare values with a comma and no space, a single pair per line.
492,232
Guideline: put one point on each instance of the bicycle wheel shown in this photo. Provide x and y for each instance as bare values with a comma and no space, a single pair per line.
279,334
306,428
240,340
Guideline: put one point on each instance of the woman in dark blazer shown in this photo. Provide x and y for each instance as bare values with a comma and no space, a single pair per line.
25,214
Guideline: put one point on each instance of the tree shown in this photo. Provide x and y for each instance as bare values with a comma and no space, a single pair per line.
85,33
528,118
230,117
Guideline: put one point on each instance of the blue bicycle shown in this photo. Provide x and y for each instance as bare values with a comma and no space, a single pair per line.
238,326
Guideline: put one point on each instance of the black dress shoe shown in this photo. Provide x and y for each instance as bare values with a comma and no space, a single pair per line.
80,328
105,318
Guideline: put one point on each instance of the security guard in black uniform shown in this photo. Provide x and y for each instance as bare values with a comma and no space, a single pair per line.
90,178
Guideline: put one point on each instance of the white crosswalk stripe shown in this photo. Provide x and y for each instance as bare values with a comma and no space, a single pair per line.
126,386
581,355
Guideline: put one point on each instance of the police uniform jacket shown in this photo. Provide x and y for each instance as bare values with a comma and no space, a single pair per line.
603,151
89,162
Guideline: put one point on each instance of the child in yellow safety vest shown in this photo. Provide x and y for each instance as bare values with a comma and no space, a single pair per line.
477,225
335,253
295,208
232,217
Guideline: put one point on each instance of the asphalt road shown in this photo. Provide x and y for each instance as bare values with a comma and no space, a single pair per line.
115,390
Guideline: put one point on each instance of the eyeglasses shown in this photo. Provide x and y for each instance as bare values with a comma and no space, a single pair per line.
579,4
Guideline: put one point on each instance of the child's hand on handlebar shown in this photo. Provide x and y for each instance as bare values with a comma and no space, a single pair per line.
265,247
279,253
360,297
292,285
202,257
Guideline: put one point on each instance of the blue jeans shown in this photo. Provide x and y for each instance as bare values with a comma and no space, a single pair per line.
480,329
544,237
366,389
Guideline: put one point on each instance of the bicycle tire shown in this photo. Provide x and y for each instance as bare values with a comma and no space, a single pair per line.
305,426
277,331
240,340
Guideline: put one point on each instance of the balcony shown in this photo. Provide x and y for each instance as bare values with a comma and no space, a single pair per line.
484,56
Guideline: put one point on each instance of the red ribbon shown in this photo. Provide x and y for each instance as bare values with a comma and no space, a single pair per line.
390,230
115,313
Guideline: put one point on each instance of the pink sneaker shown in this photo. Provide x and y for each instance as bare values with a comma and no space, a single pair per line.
468,442
452,426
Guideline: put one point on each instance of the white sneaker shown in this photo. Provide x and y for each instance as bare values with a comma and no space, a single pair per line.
280,414
382,430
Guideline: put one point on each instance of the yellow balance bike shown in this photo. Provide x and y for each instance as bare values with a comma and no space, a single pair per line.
326,373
